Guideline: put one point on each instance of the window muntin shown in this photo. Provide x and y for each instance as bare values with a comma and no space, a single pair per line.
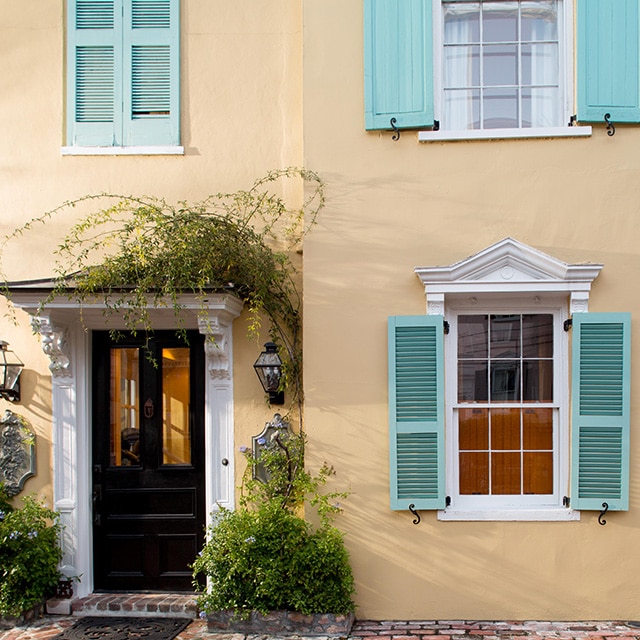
501,64
505,432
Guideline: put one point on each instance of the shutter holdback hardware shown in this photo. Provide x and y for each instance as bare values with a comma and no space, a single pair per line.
605,508
396,132
412,508
611,130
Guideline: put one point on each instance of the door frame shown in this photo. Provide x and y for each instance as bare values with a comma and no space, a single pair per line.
65,331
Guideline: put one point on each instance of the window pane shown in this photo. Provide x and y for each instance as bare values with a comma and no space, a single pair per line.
540,64
540,108
473,429
500,21
505,336
461,67
500,109
461,22
176,433
539,20
473,336
537,336
505,381
505,429
472,382
505,473
124,408
537,429
462,109
538,473
474,473
537,381
499,65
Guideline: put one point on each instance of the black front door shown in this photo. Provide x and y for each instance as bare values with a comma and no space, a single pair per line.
148,460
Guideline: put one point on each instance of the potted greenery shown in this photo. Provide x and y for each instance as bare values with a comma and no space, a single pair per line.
29,555
268,569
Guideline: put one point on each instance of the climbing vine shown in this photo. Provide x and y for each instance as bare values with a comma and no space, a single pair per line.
137,253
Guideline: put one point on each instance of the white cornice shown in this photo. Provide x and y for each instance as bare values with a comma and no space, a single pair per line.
508,266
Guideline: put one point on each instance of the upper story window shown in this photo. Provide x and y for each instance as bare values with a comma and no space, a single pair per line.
501,65
123,74
489,65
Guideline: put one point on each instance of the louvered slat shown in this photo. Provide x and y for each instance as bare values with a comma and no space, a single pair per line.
602,378
94,14
416,374
151,14
151,82
417,466
600,460
94,84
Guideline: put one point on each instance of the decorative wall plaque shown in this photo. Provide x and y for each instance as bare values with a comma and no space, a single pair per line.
260,442
17,452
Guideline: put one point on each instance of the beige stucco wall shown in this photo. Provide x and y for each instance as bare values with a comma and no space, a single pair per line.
392,206
241,86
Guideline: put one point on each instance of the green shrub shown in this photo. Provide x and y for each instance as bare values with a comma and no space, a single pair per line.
29,554
264,556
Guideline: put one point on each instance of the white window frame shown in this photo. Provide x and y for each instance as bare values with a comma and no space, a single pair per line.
515,507
566,55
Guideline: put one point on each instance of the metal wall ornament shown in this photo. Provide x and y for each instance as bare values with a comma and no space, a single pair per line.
277,428
17,452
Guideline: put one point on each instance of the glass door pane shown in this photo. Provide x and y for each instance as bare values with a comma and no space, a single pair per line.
176,433
125,408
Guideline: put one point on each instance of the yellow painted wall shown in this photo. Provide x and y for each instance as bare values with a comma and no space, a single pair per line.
241,67
392,206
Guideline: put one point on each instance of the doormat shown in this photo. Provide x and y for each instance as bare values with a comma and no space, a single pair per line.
109,628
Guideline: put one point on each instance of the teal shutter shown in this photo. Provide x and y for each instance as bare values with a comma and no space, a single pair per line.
398,63
151,77
123,73
600,410
608,61
93,88
416,412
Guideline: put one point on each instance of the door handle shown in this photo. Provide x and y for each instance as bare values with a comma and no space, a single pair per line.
96,498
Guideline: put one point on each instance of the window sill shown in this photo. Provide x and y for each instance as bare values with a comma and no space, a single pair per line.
508,515
502,134
122,151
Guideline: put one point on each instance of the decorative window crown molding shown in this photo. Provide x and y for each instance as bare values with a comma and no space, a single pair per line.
508,266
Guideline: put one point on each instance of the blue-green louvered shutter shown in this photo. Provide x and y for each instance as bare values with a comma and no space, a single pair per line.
398,63
416,412
608,61
93,58
151,73
600,410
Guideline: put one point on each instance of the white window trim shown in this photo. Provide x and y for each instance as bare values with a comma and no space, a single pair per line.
567,56
516,274
525,506
122,151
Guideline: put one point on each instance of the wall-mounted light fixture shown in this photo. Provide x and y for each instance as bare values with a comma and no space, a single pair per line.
10,370
268,366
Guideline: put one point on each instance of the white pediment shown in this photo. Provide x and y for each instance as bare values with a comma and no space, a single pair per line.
509,266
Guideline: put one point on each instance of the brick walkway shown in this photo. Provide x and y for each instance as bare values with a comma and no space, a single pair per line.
47,627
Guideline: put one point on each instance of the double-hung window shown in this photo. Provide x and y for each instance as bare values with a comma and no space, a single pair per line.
508,400
123,74
464,65
502,64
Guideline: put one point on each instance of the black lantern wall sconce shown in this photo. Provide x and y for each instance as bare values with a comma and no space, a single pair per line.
10,370
268,367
